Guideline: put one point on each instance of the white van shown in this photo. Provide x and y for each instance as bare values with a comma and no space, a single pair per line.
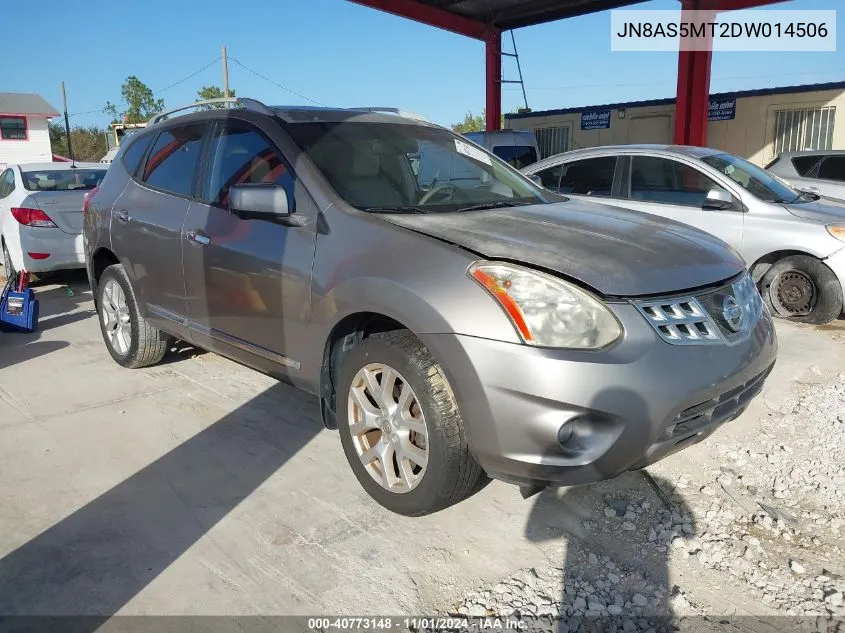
517,147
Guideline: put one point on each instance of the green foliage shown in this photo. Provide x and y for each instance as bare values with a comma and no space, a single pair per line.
89,143
212,92
475,123
139,100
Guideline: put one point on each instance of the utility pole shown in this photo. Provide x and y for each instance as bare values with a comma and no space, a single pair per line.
225,74
67,123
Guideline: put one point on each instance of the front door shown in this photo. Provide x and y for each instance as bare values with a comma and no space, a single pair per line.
675,190
248,281
147,224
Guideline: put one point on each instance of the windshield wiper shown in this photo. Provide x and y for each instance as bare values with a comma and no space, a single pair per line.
499,204
394,209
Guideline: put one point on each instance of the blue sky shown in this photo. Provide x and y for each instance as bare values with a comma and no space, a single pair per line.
339,53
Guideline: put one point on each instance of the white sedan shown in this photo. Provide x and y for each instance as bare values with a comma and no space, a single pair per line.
41,214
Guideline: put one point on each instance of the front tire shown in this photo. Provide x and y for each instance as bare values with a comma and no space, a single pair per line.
130,339
803,289
400,426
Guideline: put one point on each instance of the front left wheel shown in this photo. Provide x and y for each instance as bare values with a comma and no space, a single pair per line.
400,426
130,339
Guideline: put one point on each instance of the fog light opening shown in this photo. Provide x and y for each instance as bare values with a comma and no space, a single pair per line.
565,432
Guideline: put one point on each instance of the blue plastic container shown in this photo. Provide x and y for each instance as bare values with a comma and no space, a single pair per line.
18,308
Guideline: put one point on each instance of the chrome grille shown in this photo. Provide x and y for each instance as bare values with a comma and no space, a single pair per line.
707,318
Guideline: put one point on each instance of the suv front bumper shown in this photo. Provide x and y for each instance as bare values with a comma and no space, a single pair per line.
622,408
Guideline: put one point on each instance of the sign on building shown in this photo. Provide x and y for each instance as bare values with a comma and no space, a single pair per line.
724,110
595,120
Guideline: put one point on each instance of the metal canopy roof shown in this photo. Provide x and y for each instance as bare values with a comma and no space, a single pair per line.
511,14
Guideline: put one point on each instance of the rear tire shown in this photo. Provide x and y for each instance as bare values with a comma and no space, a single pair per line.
130,339
450,473
803,289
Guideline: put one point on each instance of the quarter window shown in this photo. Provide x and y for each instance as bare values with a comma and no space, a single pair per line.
135,152
833,168
241,155
7,183
173,159
663,180
13,128
590,177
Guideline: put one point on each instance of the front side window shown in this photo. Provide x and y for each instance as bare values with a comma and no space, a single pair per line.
664,180
833,168
415,168
241,155
173,159
61,179
590,177
13,128
758,182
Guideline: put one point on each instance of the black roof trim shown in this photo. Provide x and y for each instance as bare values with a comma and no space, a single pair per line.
761,92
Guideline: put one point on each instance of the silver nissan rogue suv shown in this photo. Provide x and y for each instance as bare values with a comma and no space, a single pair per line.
456,321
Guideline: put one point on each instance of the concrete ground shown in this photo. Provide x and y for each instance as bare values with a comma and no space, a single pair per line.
201,487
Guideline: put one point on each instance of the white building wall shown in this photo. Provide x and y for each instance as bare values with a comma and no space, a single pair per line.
36,149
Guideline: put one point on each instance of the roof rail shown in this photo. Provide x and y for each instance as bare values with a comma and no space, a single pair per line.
396,111
249,104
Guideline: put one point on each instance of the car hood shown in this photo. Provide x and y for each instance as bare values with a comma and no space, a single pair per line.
614,251
822,210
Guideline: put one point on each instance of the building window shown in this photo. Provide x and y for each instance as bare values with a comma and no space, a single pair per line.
13,128
552,140
804,128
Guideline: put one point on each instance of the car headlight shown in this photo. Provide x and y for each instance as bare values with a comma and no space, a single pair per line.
545,310
837,231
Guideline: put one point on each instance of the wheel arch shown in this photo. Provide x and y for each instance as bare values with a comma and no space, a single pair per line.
102,258
759,268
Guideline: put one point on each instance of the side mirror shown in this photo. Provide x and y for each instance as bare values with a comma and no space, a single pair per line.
717,200
258,201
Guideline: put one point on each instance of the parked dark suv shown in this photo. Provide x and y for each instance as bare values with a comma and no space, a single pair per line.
456,320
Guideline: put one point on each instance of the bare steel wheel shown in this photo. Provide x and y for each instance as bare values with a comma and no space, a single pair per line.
400,427
802,288
388,427
114,312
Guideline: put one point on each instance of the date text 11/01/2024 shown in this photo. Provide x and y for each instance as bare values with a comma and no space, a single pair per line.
327,624
723,30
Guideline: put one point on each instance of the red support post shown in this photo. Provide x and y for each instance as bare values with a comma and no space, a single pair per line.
693,94
493,80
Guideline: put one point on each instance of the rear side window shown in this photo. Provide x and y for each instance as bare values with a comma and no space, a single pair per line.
241,155
833,168
804,164
173,159
518,156
135,152
590,177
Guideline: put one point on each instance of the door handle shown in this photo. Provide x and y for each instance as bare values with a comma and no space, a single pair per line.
196,237
122,216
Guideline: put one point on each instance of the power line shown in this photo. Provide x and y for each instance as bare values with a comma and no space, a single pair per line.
157,92
285,88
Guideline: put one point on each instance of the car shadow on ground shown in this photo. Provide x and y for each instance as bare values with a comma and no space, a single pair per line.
616,566
97,559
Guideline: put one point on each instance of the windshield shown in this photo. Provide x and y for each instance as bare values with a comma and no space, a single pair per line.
62,179
413,168
758,182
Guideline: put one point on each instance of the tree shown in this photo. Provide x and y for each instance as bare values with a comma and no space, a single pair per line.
139,100
89,143
474,123
212,92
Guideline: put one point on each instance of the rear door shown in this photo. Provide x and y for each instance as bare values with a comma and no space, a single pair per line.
675,190
147,224
249,281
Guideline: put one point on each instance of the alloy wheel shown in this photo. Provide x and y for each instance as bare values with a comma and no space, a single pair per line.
388,428
117,323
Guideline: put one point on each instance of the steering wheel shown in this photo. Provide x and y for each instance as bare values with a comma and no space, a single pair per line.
445,187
